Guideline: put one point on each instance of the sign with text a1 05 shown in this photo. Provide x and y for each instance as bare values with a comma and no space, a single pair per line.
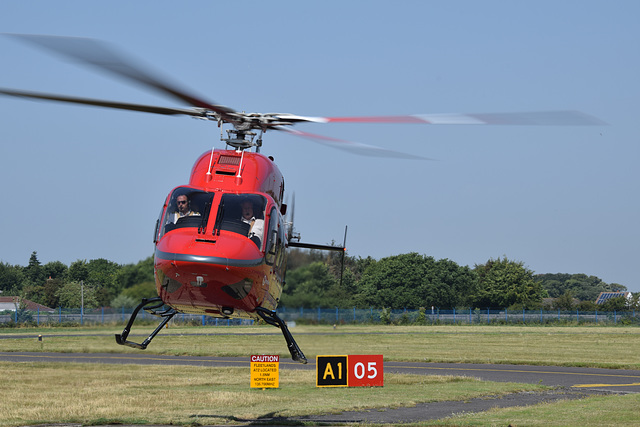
360,370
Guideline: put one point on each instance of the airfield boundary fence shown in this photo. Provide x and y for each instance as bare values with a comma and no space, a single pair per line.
339,316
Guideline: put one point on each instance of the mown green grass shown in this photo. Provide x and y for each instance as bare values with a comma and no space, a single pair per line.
588,346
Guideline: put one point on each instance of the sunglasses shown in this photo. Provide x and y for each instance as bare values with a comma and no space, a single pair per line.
182,202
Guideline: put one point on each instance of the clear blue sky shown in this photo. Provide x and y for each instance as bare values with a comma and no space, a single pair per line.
85,183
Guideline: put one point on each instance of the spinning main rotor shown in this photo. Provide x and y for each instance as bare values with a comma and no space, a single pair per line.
245,126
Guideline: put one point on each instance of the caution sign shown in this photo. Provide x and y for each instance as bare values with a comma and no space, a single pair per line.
265,371
363,370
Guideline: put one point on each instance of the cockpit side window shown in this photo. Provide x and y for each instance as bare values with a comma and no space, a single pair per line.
243,214
187,208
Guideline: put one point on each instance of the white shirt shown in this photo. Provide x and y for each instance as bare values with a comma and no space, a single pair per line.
257,229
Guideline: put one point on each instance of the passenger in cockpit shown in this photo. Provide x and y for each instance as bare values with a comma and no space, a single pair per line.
256,225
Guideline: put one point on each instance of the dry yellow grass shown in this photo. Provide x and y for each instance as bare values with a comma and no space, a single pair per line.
38,393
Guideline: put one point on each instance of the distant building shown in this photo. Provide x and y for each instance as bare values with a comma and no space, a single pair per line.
10,303
605,296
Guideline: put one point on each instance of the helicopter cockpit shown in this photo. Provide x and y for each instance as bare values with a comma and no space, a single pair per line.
242,214
239,213
186,208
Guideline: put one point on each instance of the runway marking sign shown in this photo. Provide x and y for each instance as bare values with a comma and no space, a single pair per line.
361,370
265,371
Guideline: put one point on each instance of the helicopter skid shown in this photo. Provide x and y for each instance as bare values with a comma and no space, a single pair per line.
150,305
273,319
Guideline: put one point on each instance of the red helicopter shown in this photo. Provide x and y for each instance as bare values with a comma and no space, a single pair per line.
221,240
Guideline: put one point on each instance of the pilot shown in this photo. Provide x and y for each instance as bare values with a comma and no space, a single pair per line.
184,209
256,225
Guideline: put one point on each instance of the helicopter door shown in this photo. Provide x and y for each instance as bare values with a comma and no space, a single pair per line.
275,240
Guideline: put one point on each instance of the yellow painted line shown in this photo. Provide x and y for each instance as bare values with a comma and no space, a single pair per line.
512,370
606,385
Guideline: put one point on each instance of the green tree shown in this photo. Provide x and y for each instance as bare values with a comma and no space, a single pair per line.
141,290
78,271
504,283
132,274
34,273
297,258
11,278
55,270
581,286
102,276
564,301
308,286
615,304
99,274
71,294
413,281
123,301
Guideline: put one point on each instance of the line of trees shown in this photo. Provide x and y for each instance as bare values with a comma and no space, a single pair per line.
413,281
318,279
104,283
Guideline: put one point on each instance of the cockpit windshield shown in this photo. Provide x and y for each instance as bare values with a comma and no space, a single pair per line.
187,208
239,213
242,214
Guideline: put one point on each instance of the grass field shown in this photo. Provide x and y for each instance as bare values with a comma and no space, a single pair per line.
74,393
589,346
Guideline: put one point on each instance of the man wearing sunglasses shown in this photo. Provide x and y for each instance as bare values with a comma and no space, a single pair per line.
183,209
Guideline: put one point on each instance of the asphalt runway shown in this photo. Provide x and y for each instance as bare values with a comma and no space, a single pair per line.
569,382
608,380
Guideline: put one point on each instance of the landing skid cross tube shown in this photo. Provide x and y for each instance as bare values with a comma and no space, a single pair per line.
273,319
150,306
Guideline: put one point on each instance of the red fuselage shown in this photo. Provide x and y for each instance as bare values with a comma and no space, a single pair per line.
220,240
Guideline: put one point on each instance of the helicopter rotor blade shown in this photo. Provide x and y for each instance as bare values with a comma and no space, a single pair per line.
532,118
352,147
103,103
98,54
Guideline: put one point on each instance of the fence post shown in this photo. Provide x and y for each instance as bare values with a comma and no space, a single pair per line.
540,316
38,321
596,317
59,314
354,315
488,315
470,319
615,317
337,315
523,319
454,315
